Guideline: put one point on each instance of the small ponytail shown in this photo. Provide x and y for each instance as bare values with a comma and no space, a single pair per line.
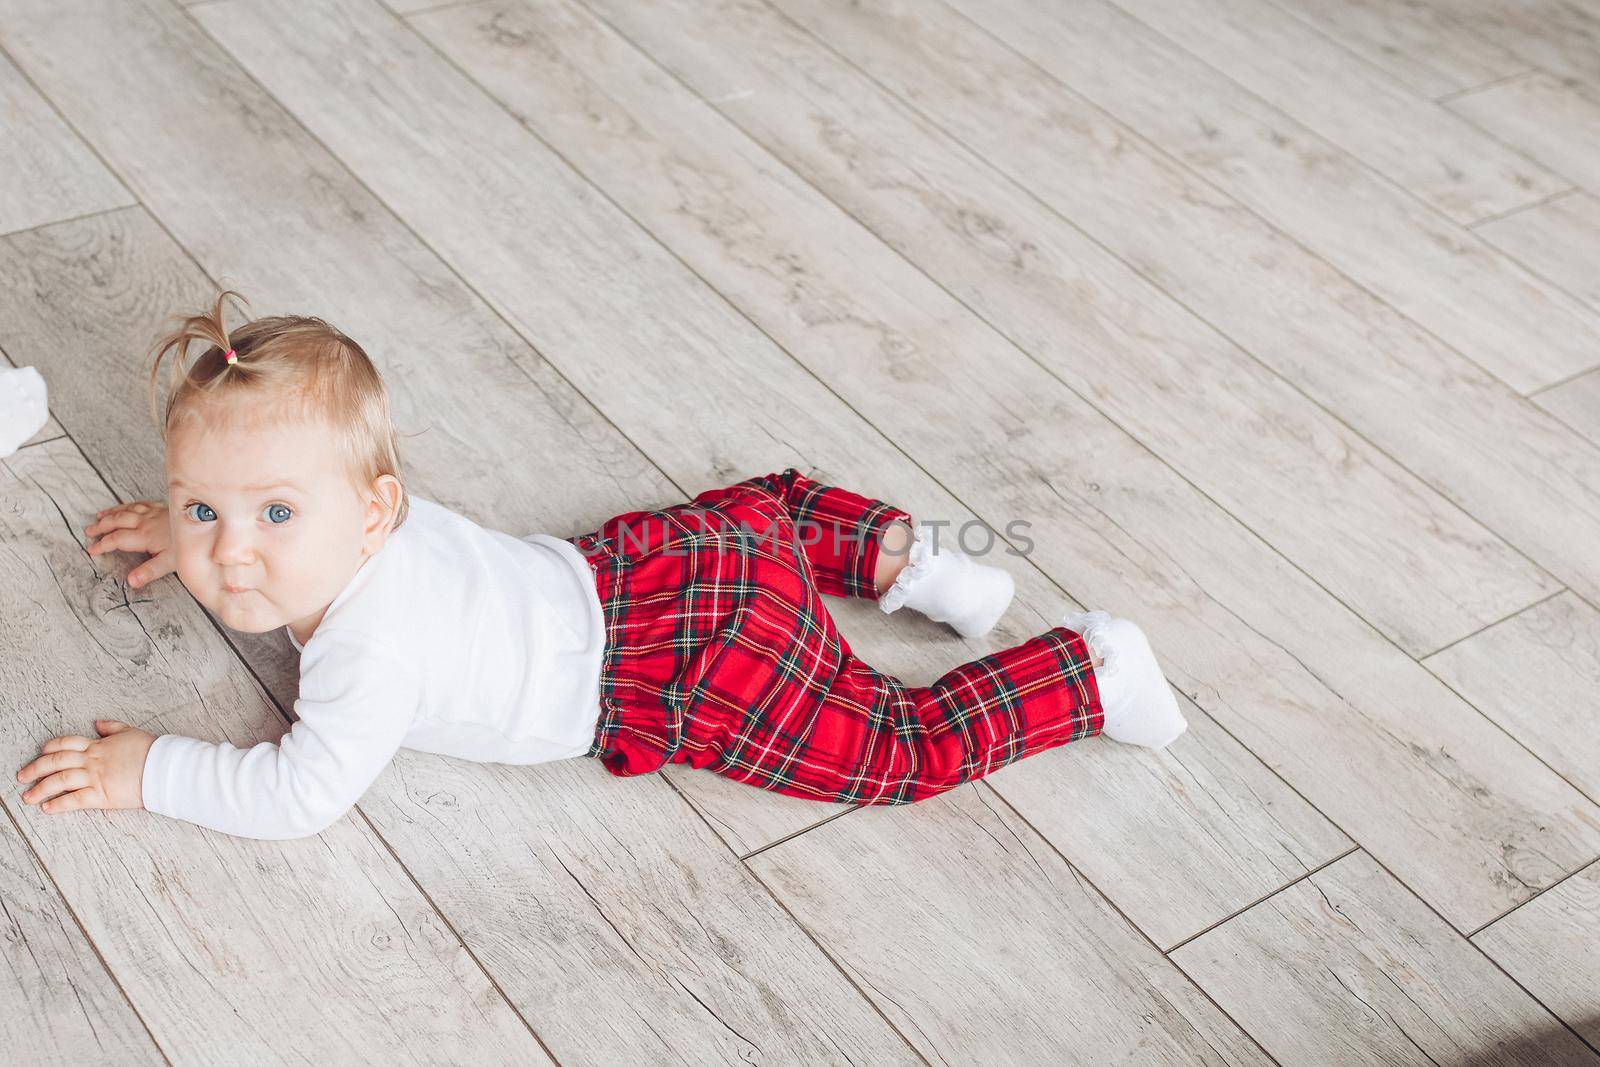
209,328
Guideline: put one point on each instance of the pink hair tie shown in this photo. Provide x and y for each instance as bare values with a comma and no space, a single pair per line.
231,357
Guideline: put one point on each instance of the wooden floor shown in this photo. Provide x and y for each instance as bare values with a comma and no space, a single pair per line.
1273,325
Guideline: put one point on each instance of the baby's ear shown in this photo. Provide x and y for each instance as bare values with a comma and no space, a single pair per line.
383,505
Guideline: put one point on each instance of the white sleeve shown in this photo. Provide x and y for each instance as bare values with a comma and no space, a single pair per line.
355,707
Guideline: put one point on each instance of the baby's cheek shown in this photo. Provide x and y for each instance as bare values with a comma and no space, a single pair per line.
190,570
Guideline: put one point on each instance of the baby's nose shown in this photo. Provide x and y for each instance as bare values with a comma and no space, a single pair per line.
232,552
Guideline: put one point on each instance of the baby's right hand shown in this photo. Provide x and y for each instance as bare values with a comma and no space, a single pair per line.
141,526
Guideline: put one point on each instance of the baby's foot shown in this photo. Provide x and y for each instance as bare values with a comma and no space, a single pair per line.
951,587
1138,703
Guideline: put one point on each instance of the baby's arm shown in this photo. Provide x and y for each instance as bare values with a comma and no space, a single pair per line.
354,709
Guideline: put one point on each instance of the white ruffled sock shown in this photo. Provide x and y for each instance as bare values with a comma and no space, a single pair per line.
24,407
1138,703
948,586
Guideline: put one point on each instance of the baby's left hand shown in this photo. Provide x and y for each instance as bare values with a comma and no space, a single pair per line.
104,772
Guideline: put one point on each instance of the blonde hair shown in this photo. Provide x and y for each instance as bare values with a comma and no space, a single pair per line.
296,360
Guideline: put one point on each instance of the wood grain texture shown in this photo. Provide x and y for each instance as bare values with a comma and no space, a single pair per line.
1421,402
1442,159
1432,270
1576,403
58,1004
1347,967
1559,240
1553,119
229,948
51,428
1421,44
1230,620
1552,946
1158,372
1538,675
1561,36
627,932
46,173
267,211
976,969
408,7
1177,840
48,432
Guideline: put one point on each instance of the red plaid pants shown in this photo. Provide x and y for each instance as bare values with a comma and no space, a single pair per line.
720,653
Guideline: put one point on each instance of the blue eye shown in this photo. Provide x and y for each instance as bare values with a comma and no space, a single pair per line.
198,505
279,508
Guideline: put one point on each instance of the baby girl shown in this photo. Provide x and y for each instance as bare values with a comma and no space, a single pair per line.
695,633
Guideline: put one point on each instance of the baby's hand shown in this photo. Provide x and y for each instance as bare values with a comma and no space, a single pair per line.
141,526
90,773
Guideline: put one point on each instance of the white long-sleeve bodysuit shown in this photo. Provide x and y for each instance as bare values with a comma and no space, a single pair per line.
453,639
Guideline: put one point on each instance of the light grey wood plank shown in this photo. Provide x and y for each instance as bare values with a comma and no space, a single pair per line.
1561,36
1417,399
57,1002
1577,403
1348,967
511,444
1552,946
1178,840
1443,160
1420,44
1233,620
1553,119
632,934
229,948
1538,675
46,173
1363,527
1219,855
48,432
749,820
999,951
1433,270
1560,240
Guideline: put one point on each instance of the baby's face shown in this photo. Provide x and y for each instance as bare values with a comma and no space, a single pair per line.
266,523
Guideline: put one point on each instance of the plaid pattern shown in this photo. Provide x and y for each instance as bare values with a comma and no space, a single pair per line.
720,653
